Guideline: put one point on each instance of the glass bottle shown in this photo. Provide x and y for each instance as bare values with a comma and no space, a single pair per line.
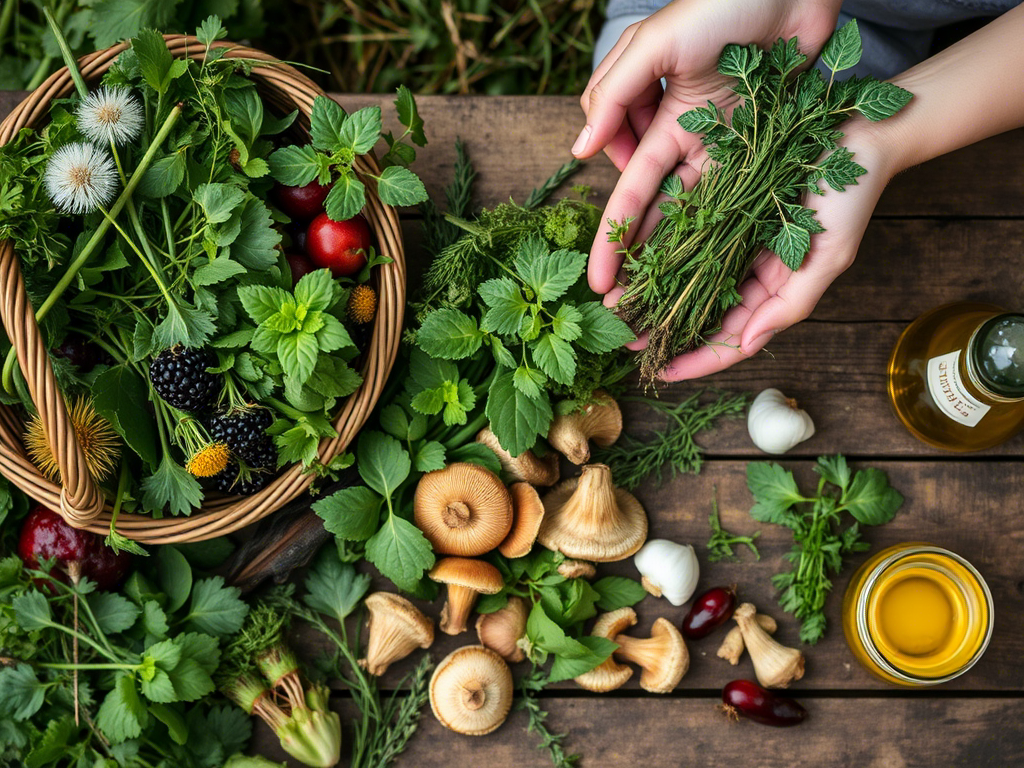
956,376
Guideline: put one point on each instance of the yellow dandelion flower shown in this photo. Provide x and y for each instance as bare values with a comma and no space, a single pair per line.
209,460
362,304
99,441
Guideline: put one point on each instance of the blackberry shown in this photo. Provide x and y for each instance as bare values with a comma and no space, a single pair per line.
241,429
261,454
179,376
238,483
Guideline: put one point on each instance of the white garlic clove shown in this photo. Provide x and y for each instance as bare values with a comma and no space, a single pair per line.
776,424
669,570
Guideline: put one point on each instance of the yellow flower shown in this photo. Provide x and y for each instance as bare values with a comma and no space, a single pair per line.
209,460
99,441
362,304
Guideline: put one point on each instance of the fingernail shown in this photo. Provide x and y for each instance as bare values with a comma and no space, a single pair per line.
582,140
760,341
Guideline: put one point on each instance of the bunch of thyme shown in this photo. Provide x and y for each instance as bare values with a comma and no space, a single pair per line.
763,158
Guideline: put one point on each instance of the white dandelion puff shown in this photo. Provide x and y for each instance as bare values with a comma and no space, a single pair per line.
110,114
80,177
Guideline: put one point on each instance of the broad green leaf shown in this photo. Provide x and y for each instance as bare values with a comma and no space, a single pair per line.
293,165
870,498
566,668
333,587
171,488
516,420
555,357
175,723
316,289
346,198
216,609
399,186
217,271
843,50
400,552
529,381
548,274
506,306
116,20
32,611
880,100
834,469
409,116
262,302
122,398
382,462
566,323
255,246
352,514
429,457
618,592
175,575
245,111
154,59
601,329
211,30
298,353
775,492
53,744
114,613
164,176
21,693
326,123
395,421
449,334
122,714
361,129
218,201
475,453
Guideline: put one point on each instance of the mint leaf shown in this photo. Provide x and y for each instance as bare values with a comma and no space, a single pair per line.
430,456
409,116
555,357
333,587
361,129
114,613
507,307
218,200
294,166
516,420
600,329
298,353
325,125
216,609
618,592
399,186
171,488
449,334
352,514
878,100
549,275
775,492
262,302
382,462
870,498
21,693
122,714
566,668
843,50
316,290
346,198
400,552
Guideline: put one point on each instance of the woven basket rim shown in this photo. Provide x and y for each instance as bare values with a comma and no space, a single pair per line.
278,82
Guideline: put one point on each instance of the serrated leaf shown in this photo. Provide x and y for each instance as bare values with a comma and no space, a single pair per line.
555,357
449,334
839,170
399,186
382,462
870,499
785,56
122,398
549,275
506,306
601,329
429,457
566,323
843,50
21,692
325,126
255,245
400,552
216,609
218,200
408,115
775,492
352,514
879,100
294,166
114,613
32,611
529,381
346,198
217,271
333,587
154,59
122,714
516,419
739,61
361,130
171,488
834,469
791,244
164,176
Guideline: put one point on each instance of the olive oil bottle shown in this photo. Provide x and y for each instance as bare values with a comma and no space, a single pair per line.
956,376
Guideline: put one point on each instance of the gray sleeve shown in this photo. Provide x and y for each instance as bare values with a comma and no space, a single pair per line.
618,8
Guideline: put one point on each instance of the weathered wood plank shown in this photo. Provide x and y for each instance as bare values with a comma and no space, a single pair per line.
667,733
972,509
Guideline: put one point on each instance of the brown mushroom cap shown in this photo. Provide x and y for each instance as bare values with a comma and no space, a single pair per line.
527,467
527,515
663,656
397,628
609,675
500,631
590,519
463,509
466,580
471,691
576,569
600,421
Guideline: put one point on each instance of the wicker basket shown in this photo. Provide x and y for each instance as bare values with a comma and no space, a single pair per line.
78,499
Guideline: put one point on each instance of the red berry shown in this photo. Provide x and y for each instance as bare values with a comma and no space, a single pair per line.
45,535
300,266
340,246
301,203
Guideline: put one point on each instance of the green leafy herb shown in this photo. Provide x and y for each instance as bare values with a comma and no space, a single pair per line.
554,743
821,541
721,542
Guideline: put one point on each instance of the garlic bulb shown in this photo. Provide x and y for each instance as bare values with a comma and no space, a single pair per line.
776,424
669,570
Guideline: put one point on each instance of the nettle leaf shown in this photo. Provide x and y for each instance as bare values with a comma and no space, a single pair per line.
549,275
529,381
382,462
114,613
334,588
294,166
739,61
601,330
399,186
409,116
400,552
346,198
218,200
838,169
216,609
352,514
878,101
449,334
361,130
506,306
262,302
325,125
566,323
516,419
555,357
843,50
791,244
804,217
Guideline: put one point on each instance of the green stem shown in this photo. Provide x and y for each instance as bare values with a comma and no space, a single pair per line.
65,49
76,266
5,19
55,665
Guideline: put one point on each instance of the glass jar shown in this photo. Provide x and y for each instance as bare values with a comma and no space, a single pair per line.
915,614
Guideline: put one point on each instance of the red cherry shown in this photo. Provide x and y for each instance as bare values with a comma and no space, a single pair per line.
45,535
340,246
300,266
301,203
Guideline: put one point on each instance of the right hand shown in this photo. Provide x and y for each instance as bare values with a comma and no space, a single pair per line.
634,120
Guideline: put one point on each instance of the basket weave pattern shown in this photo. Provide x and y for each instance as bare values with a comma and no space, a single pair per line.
77,498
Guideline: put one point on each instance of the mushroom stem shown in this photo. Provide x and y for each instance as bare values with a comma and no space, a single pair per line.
456,610
732,647
663,656
456,515
609,674
775,665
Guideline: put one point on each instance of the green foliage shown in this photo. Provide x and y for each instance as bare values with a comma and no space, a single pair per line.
766,155
821,542
721,542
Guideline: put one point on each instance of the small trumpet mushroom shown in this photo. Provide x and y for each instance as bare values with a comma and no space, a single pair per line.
467,579
775,665
571,433
396,629
663,656
527,467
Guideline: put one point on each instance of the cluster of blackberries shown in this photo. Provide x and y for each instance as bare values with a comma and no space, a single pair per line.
180,377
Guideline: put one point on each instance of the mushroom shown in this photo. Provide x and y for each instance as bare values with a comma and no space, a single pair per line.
527,467
466,579
775,665
609,674
600,421
732,647
471,691
397,628
500,631
663,656
590,519
463,509
527,515
576,569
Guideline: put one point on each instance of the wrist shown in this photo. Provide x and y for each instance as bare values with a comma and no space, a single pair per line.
877,147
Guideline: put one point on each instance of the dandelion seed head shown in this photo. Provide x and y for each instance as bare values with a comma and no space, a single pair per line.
80,177
110,114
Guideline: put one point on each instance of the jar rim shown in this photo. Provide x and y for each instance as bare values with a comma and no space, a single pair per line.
863,600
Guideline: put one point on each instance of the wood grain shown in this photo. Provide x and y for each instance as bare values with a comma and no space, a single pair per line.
673,732
972,509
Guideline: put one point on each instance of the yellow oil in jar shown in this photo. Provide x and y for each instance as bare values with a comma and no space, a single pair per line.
917,615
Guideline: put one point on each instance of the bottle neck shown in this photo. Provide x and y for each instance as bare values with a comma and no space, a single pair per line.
992,363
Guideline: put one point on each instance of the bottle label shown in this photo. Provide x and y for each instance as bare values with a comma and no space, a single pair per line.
949,393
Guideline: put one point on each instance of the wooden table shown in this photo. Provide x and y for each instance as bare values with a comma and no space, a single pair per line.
952,229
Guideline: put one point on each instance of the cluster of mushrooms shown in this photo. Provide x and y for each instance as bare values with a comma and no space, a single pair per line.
467,511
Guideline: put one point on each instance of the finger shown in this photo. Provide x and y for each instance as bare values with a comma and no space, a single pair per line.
610,58
656,155
639,116
722,349
621,148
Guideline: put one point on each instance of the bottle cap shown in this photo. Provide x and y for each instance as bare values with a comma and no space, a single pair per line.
997,355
